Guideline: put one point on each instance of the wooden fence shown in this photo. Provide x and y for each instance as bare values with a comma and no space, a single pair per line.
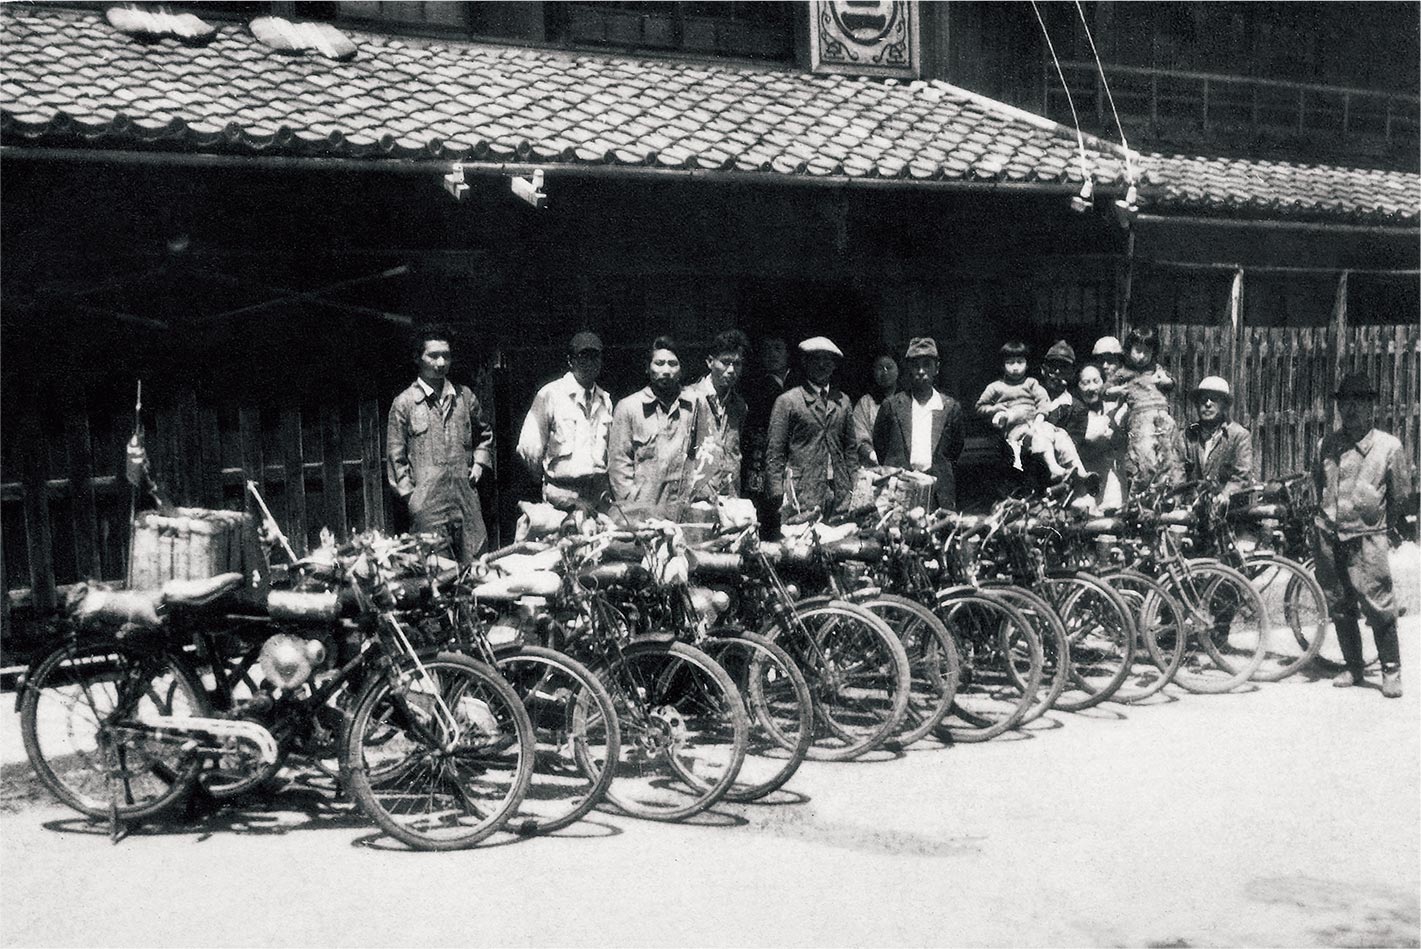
1283,379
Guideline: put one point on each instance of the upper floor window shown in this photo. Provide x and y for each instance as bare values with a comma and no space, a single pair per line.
753,30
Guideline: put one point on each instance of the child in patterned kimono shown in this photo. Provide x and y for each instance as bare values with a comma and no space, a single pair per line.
1156,446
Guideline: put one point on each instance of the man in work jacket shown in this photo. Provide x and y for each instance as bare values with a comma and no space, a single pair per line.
438,446
726,410
1360,475
811,457
564,435
1217,449
922,428
655,439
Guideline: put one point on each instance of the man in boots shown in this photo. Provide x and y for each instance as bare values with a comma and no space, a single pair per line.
1361,478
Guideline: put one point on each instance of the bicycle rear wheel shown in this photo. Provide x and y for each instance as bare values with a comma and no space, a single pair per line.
439,753
1001,665
1101,629
575,733
858,673
684,730
88,717
1162,634
778,706
1292,596
1227,626
1055,647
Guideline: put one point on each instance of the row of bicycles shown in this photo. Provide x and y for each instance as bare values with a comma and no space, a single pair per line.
658,669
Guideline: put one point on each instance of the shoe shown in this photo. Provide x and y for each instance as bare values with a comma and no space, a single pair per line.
1346,679
1391,683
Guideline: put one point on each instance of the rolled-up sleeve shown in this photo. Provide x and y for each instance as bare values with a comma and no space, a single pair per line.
533,437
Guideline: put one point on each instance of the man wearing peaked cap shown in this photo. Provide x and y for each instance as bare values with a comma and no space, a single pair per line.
1361,476
1217,449
1057,368
922,428
1109,353
811,458
564,435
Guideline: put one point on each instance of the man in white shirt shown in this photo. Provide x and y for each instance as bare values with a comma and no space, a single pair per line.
922,428
564,435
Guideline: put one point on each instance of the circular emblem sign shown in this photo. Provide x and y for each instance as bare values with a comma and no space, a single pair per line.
866,22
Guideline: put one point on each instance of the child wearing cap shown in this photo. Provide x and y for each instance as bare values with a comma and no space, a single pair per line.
1017,405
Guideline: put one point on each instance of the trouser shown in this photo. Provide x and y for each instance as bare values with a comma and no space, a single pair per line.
1355,576
567,494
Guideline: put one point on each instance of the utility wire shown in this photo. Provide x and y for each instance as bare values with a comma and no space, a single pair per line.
1109,97
1070,101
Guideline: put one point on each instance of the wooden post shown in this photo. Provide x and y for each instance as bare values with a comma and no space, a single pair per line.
79,448
33,471
332,471
1235,326
293,462
372,465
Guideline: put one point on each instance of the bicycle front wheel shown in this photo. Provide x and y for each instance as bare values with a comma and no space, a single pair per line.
684,730
575,733
1161,635
858,673
439,753
1101,628
1001,665
1055,647
91,721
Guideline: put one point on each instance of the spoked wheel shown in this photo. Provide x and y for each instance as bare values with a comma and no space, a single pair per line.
88,718
1161,635
1101,628
575,733
1055,647
1001,665
439,754
858,675
777,703
684,730
1227,626
933,663
1296,606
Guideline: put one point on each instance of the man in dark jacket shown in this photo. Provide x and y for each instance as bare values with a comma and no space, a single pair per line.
922,428
1217,449
811,458
438,447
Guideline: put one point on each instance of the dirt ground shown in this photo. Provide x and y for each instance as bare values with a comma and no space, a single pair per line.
1286,815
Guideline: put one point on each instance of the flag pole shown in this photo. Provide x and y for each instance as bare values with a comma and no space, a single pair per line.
132,486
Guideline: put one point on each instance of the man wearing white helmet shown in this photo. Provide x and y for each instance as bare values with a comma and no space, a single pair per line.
1108,354
1216,449
812,456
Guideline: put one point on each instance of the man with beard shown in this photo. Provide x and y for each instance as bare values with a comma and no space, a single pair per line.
656,437
922,428
811,457
1216,449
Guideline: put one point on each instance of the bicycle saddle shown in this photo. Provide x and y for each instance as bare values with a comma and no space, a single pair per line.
1103,525
1177,517
1259,512
187,594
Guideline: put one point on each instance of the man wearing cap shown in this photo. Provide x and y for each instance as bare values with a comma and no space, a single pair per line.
811,458
1109,354
438,446
1361,476
1057,369
654,444
564,435
922,428
1217,449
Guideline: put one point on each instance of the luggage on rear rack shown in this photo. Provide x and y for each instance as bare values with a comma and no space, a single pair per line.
192,544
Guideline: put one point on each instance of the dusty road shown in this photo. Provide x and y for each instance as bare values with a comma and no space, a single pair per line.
1288,815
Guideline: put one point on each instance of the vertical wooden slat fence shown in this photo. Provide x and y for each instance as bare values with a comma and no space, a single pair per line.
1286,377
309,482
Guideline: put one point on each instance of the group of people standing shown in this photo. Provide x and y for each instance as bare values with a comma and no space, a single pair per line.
1104,423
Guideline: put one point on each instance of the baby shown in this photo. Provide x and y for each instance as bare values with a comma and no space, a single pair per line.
1017,405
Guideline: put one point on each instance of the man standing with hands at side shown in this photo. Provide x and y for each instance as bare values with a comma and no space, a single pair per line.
564,435
811,457
1361,477
1217,449
726,411
438,446
922,428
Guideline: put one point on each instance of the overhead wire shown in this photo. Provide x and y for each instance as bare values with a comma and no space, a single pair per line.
1109,96
1070,100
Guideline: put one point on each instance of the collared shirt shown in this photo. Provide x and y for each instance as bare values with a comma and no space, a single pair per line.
1222,454
921,448
721,455
651,447
564,434
1359,484
444,401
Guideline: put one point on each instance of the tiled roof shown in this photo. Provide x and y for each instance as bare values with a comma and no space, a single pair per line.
1275,188
69,79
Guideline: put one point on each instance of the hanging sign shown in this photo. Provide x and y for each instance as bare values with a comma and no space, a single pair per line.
864,37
